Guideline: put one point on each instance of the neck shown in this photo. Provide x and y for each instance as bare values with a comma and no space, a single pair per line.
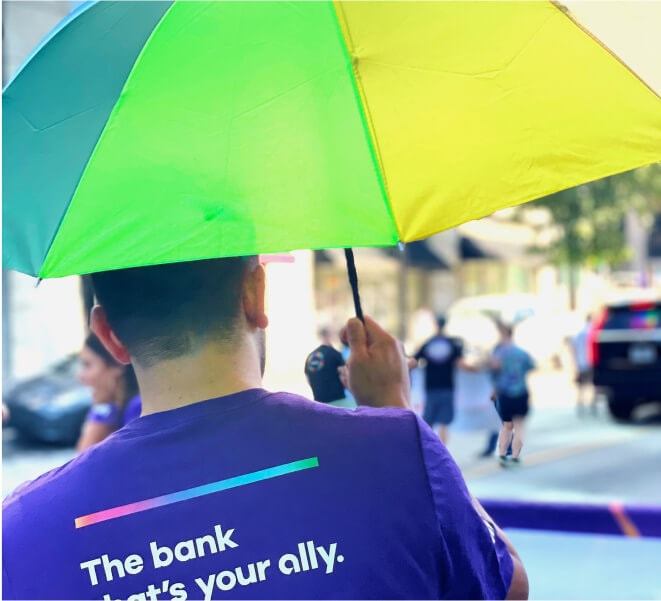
216,370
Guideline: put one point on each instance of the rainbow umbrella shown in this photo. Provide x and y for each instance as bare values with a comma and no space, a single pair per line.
152,132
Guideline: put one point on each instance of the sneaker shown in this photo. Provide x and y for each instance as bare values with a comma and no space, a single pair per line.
515,462
502,459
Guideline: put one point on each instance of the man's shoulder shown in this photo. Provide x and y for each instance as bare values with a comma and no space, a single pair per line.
329,349
314,351
41,494
300,403
338,421
521,352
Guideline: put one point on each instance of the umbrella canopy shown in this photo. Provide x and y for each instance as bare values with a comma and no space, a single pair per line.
153,132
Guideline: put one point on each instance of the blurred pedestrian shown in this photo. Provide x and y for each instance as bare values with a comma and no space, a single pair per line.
511,365
115,396
579,346
493,435
324,369
173,504
439,356
492,443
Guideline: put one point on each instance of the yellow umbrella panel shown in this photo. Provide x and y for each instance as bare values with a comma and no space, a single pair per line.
476,106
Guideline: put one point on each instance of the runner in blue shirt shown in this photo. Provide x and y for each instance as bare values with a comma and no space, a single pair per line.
511,365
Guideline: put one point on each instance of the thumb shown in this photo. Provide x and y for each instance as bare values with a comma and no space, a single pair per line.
356,336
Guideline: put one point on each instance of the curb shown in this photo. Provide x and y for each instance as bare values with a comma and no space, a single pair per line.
614,518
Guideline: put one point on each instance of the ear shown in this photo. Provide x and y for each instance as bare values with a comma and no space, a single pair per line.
254,297
100,326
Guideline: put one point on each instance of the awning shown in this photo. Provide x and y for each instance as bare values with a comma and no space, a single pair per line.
470,249
419,254
366,258
491,238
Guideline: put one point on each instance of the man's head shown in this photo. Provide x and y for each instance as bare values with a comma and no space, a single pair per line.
440,323
325,335
506,331
162,312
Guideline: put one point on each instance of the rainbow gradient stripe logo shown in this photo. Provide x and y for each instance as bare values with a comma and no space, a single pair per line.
197,491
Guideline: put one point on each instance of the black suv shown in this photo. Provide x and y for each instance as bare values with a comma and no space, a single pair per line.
625,349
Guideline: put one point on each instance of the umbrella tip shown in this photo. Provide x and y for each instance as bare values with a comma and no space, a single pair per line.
39,280
400,245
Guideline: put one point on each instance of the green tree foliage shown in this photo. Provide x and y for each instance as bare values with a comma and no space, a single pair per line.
587,222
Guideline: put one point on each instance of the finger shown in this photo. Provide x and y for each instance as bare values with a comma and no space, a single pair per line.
374,331
356,337
343,335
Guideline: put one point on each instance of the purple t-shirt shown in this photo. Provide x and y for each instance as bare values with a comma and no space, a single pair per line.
255,495
107,414
132,410
110,415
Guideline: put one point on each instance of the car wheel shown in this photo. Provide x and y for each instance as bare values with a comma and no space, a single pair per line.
621,409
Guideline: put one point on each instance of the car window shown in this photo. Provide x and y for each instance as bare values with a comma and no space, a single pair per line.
643,316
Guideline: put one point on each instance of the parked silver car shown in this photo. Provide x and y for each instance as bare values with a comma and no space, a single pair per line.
50,407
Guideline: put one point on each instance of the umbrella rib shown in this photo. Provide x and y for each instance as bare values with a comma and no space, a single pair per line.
347,45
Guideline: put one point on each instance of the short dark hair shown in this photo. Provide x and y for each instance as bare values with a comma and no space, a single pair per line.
440,321
166,311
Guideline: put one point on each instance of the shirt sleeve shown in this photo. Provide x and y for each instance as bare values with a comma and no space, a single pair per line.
475,563
340,358
132,410
104,413
531,363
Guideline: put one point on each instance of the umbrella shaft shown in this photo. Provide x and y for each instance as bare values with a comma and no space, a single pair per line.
353,281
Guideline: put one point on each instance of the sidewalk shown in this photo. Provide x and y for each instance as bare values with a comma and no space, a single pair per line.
581,566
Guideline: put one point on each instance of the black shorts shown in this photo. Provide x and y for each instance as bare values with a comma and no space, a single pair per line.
509,407
439,407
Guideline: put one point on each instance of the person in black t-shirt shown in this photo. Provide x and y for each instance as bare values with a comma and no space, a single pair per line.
440,355
322,369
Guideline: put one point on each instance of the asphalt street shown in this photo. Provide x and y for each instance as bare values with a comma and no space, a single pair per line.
570,456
